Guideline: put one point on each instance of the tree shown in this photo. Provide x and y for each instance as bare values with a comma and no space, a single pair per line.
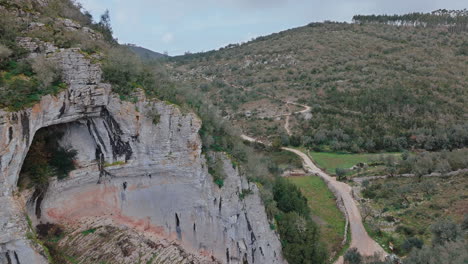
428,188
404,191
295,141
444,231
423,165
341,173
366,211
289,198
391,163
448,253
104,26
300,239
276,144
442,166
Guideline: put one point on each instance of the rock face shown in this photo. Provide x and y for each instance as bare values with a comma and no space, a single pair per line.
140,166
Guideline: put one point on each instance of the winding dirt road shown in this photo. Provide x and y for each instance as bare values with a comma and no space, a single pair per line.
286,124
359,237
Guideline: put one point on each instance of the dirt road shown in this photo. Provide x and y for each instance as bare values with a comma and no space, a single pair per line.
286,124
359,237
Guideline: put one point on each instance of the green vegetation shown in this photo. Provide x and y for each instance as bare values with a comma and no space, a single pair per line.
401,210
285,160
115,163
372,87
23,81
428,162
383,99
455,20
215,168
322,204
89,231
44,160
330,162
300,236
22,87
448,245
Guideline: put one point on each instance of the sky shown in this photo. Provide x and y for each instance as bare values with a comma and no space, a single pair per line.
179,26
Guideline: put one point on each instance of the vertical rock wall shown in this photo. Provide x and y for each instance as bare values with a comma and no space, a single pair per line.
139,171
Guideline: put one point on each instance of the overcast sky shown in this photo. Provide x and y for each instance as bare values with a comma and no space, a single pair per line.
177,26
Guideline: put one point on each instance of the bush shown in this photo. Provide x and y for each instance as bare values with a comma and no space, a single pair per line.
47,71
444,231
410,243
352,256
4,52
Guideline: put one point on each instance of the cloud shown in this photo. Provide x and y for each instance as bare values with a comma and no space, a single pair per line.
167,37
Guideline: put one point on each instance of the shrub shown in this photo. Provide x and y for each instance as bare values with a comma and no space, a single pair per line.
410,243
352,256
47,71
4,52
444,231
126,72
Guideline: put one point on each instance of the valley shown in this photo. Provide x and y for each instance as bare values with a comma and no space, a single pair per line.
330,143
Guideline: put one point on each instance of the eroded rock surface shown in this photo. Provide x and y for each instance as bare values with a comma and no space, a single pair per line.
149,177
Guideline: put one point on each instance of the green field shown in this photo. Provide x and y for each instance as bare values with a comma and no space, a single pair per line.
323,206
329,161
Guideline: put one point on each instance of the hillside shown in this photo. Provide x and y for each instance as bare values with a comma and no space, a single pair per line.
370,86
145,54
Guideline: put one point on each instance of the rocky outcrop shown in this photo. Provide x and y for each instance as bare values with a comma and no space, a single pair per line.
134,170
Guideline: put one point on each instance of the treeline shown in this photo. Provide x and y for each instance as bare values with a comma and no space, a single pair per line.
369,140
456,20
425,163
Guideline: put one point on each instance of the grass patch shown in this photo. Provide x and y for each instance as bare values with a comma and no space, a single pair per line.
329,161
323,207
286,160
89,231
114,163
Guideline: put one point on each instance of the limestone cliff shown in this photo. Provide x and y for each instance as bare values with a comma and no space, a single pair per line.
143,177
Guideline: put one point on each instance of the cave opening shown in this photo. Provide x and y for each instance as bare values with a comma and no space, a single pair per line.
46,158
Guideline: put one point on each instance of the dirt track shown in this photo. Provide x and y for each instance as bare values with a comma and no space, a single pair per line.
359,237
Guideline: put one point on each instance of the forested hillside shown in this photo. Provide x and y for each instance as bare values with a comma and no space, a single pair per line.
371,86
